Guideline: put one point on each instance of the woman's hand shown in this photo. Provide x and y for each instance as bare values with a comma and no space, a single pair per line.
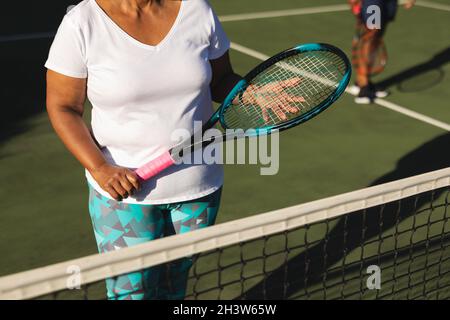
409,4
65,105
261,95
224,79
119,182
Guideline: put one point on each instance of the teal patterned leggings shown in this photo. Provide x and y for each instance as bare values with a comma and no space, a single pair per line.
118,225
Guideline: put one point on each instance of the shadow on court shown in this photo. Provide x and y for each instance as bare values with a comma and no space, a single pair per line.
420,77
23,93
23,54
347,235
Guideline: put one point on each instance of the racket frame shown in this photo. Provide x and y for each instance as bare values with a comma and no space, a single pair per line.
273,60
176,153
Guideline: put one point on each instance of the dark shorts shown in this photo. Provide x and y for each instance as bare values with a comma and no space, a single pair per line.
388,10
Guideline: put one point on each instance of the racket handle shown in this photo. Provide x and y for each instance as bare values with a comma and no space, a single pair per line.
155,166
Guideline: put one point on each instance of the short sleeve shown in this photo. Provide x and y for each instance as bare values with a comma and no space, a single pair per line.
219,43
67,52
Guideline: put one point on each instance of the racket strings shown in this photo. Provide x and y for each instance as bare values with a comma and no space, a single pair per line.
286,90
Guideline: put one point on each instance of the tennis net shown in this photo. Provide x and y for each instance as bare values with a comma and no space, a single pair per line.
390,241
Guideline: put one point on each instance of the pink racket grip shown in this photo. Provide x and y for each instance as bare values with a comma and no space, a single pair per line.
155,166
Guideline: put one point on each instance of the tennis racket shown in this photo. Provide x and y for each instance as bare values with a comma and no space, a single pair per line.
282,92
377,58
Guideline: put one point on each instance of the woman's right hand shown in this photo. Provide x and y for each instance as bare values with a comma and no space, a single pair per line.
66,97
119,182
409,4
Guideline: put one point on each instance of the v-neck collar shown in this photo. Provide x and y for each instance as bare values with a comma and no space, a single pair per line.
134,40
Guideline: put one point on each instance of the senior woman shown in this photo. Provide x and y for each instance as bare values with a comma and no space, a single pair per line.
148,68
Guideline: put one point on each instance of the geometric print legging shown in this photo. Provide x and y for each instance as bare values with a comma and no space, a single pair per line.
118,225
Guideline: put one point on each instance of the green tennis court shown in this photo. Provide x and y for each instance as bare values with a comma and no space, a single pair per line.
45,219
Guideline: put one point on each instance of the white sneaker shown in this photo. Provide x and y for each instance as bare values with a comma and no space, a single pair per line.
363,100
365,95
379,93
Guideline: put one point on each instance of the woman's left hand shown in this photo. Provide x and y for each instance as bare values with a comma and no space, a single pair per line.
262,95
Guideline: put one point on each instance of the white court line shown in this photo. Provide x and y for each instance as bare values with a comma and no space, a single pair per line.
27,36
233,17
246,16
284,13
433,5
412,114
350,90
313,10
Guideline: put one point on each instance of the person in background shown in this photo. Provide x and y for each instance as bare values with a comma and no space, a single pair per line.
368,40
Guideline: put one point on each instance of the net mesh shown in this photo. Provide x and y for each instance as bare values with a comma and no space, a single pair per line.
286,90
407,240
390,241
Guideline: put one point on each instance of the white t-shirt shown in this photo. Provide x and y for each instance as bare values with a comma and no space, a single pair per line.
140,93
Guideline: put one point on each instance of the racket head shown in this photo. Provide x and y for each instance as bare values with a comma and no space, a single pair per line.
319,73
